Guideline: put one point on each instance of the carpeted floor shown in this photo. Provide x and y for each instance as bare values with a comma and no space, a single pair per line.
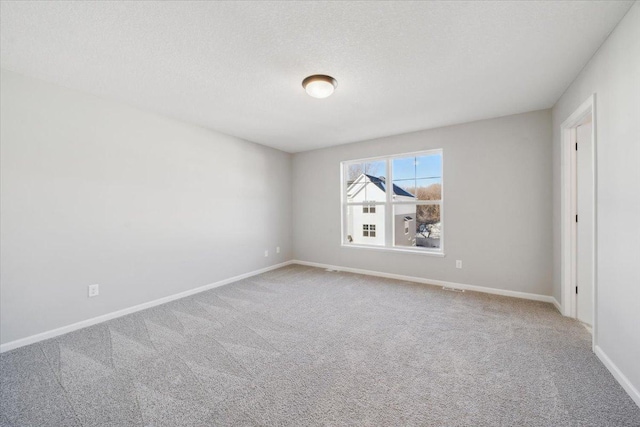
302,346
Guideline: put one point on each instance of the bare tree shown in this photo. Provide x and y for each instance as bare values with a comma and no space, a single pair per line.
432,192
428,214
357,169
354,171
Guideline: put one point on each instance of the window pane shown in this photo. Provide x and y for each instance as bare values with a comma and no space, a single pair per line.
366,181
422,223
365,228
428,226
420,176
429,189
404,168
429,166
377,168
353,171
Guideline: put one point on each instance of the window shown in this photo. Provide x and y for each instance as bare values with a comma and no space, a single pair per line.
403,215
368,230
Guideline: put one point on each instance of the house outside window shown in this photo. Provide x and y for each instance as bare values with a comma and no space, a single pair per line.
368,230
369,209
406,215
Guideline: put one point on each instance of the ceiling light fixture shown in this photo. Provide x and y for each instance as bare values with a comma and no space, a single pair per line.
319,85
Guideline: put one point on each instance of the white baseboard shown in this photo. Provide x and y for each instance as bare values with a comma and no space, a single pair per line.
99,319
556,304
618,375
475,288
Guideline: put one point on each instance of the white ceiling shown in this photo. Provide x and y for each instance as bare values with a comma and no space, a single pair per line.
237,67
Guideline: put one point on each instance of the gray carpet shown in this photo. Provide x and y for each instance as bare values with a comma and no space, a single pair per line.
301,346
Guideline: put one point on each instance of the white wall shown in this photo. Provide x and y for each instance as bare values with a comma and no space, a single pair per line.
94,191
613,74
497,204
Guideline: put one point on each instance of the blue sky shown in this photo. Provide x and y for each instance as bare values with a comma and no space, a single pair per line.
422,168
417,167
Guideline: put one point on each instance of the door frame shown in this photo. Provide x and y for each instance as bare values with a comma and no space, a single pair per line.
568,191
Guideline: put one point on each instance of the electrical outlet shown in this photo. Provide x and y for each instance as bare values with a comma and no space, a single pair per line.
94,290
459,263
278,249
266,253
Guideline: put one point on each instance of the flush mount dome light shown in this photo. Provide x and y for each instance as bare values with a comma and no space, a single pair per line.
319,85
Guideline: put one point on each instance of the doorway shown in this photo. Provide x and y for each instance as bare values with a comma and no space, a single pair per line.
578,213
584,222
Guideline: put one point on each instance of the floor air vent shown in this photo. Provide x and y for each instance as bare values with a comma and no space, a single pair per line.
452,289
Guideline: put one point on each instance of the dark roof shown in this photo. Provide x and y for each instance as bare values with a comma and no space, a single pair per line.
381,184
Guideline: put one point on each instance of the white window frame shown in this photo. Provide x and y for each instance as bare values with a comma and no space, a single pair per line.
389,204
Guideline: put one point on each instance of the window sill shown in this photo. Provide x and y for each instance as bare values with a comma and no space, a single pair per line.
401,250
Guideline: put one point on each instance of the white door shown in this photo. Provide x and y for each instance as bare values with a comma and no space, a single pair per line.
584,233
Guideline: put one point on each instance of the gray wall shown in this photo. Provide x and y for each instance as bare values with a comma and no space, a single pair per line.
94,191
613,74
497,204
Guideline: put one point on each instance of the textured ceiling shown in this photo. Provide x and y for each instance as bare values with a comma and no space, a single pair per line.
237,67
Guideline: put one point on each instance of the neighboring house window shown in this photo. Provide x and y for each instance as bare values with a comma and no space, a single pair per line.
405,214
368,230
